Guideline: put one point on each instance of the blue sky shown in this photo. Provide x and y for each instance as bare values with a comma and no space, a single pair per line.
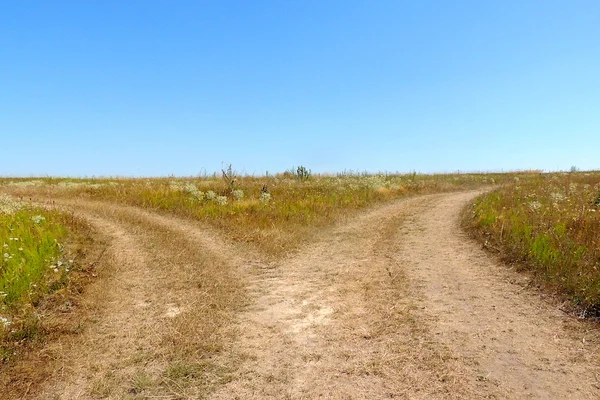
147,88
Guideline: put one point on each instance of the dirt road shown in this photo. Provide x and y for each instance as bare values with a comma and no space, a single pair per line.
393,303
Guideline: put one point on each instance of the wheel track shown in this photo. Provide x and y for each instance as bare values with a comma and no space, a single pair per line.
151,294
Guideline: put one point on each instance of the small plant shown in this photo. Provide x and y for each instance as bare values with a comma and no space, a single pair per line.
229,177
265,197
194,192
238,194
302,173
221,200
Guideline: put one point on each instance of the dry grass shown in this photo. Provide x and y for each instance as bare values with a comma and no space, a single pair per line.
276,222
414,354
207,292
551,225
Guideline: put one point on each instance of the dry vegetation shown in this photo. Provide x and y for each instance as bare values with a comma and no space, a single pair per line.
549,224
276,213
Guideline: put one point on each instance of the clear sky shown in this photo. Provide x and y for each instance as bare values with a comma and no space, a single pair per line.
145,88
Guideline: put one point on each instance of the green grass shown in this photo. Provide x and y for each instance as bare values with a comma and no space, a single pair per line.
31,266
550,224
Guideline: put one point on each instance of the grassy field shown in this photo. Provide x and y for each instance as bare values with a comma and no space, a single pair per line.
277,213
549,224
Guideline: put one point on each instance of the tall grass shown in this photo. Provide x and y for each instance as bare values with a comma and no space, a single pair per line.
276,213
551,224
32,264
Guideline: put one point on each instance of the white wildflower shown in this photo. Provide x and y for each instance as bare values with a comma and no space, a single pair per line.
238,194
8,205
176,186
557,197
535,205
198,195
190,188
5,322
38,219
193,190
265,197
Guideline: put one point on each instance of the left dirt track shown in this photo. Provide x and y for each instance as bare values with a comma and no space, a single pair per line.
158,313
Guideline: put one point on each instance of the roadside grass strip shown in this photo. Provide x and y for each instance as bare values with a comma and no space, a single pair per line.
31,265
550,224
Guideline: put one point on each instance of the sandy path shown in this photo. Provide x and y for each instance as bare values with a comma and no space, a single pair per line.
393,303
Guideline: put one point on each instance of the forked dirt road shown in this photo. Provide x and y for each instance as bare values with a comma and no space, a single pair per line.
393,303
